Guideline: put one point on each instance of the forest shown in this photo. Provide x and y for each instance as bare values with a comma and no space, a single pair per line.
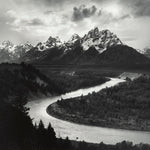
17,132
125,106
27,81
74,79
24,80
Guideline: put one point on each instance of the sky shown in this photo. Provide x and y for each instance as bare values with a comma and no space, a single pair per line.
36,20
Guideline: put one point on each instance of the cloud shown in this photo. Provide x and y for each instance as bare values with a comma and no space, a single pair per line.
104,18
124,17
48,12
38,19
32,22
138,8
15,20
142,8
117,19
128,39
83,12
41,3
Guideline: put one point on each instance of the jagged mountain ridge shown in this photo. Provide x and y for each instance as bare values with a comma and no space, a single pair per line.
89,49
50,43
99,39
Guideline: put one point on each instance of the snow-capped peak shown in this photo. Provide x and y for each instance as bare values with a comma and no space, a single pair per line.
50,43
53,41
101,40
74,38
14,51
7,46
74,41
92,33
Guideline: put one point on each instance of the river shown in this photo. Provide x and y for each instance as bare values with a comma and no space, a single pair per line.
84,132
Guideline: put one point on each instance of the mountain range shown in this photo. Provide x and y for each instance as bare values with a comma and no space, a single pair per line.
95,47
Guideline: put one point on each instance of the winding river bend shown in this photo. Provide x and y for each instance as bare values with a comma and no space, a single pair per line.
84,132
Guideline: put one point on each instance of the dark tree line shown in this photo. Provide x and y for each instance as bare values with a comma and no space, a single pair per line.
18,133
70,81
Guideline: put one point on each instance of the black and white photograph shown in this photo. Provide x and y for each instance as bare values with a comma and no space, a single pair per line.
74,74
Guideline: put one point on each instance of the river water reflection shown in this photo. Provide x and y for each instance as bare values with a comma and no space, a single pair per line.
84,132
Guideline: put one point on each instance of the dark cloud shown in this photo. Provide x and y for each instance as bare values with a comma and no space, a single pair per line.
48,12
142,8
32,22
102,1
41,2
107,18
110,18
138,8
83,12
124,17
54,2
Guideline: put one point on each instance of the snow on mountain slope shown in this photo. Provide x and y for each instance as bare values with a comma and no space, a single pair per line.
8,46
50,43
73,42
73,39
147,52
10,52
101,40
11,48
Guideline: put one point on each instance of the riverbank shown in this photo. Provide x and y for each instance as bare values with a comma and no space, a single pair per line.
124,145
118,107
60,113
90,134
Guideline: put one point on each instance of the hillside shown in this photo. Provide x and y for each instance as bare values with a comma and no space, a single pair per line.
119,55
147,52
122,55
24,81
